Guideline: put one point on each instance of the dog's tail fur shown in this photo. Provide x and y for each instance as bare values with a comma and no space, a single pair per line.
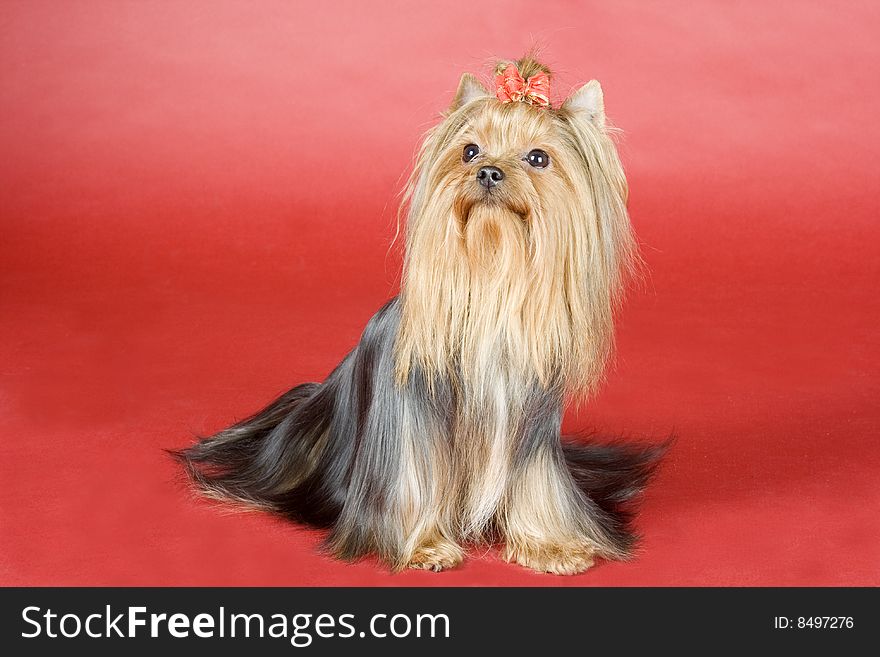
270,459
612,475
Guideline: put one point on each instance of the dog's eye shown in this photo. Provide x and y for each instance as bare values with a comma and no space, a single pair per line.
470,152
538,158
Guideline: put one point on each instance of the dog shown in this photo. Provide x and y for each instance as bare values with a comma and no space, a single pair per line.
441,428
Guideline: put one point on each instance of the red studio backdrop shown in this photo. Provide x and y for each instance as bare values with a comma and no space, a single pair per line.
197,201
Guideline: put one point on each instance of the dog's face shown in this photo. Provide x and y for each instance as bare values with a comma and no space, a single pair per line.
508,157
495,171
517,223
512,175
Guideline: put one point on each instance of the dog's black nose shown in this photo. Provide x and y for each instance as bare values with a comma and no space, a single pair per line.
488,177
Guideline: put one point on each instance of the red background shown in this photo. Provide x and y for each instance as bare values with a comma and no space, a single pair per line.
197,204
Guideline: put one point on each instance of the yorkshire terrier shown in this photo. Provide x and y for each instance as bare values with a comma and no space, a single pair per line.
441,428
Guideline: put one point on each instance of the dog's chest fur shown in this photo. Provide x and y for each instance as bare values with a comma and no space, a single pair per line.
487,427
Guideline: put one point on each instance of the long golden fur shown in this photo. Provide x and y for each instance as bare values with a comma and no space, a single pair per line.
531,276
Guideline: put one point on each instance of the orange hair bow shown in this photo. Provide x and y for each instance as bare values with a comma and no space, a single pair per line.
511,87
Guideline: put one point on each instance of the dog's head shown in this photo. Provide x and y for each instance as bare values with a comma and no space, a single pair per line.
517,231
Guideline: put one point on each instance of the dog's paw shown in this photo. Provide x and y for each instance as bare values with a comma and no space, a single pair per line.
555,558
436,557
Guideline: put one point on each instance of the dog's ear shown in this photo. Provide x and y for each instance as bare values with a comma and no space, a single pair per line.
468,89
589,101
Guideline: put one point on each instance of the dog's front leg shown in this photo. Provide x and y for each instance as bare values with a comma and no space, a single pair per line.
544,519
